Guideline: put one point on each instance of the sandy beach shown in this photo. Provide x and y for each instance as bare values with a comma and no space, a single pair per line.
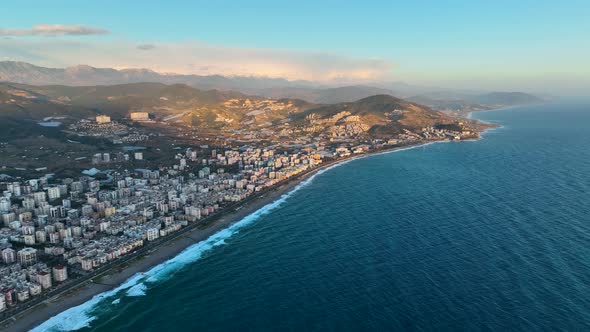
116,276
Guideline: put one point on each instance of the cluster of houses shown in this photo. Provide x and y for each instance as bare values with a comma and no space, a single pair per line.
52,228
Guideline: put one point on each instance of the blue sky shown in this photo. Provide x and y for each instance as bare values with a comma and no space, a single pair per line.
457,43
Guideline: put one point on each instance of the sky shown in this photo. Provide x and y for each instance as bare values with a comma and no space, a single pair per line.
537,46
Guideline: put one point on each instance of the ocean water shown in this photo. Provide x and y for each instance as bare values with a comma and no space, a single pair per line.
483,235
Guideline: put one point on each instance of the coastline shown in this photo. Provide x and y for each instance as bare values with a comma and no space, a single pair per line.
113,278
37,315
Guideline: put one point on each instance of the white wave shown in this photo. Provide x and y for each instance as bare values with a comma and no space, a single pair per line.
117,301
137,290
81,316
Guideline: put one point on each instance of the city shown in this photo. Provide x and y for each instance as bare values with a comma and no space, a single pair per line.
294,166
58,231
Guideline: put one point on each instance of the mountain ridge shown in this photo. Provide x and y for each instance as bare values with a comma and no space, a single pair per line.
84,75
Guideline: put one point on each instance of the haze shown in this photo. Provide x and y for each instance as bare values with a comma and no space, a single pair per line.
532,46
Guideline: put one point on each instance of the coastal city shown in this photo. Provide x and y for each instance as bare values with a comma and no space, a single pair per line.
58,232
294,166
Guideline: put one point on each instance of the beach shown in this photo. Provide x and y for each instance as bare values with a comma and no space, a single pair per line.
481,235
37,315
114,277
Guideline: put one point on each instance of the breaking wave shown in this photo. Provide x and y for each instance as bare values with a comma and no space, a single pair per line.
81,316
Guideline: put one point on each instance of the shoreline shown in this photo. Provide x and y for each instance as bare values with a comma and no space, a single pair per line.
116,276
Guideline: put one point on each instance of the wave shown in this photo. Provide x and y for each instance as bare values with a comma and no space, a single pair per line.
78,317
137,290
81,316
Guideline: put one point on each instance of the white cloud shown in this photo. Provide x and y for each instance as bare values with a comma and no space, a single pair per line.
196,58
54,30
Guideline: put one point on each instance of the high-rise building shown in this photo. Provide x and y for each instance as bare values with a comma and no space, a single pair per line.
27,256
4,204
63,189
39,197
44,279
40,236
28,203
77,186
152,234
8,256
53,193
60,273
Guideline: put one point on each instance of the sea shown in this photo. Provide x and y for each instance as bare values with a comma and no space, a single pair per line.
483,235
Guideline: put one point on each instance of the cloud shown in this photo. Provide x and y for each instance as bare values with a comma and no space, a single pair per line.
198,58
146,47
54,30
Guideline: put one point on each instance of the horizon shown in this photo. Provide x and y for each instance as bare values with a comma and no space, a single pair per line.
534,47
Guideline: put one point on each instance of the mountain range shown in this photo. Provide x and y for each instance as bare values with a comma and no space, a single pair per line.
83,75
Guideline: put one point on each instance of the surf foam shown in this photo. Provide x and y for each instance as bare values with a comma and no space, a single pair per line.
81,316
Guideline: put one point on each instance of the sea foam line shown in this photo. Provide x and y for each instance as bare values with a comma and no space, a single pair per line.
81,316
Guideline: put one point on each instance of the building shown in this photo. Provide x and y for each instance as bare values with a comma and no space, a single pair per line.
4,204
8,256
60,273
53,193
86,264
40,236
29,239
39,197
139,116
96,158
104,224
27,256
44,279
103,119
152,234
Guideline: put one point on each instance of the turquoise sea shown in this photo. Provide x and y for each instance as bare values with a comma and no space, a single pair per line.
482,235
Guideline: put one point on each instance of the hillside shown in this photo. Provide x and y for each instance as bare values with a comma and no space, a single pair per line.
324,95
21,108
55,126
377,116
177,105
180,105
